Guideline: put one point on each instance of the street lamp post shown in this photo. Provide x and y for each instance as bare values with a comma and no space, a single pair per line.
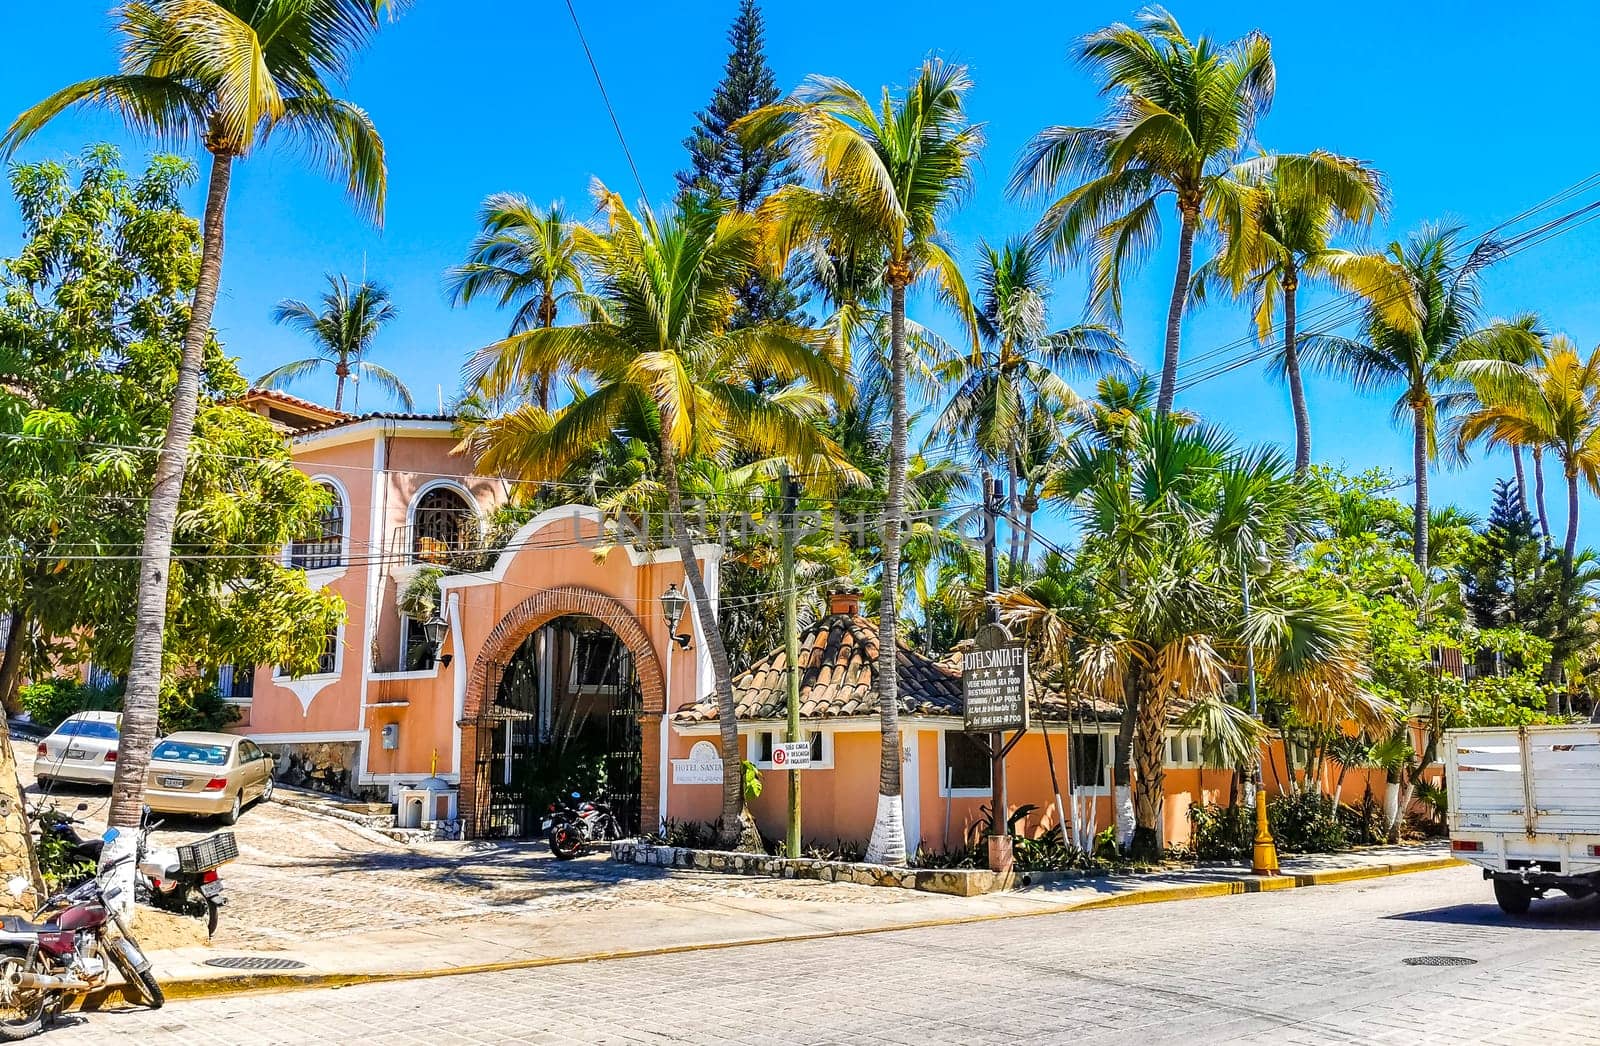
673,603
1264,859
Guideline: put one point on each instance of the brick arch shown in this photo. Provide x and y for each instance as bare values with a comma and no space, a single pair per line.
538,610
545,606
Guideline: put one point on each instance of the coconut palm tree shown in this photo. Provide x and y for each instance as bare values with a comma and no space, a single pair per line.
1552,404
662,350
883,179
343,331
531,258
225,75
1277,229
1180,113
1434,360
1020,370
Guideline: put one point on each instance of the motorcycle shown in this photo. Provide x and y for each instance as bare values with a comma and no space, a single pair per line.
573,830
181,879
66,950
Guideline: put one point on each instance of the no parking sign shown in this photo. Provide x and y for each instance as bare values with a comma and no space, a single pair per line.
791,755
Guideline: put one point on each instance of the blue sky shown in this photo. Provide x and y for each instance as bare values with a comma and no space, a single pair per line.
477,96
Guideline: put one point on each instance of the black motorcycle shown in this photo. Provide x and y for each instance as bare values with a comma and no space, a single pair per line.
574,829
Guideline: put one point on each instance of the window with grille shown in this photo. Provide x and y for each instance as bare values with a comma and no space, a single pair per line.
324,546
327,661
441,526
236,682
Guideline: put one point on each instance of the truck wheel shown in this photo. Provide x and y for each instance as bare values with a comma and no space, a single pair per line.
1513,898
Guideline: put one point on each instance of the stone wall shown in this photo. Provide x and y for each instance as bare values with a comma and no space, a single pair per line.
16,842
962,882
320,766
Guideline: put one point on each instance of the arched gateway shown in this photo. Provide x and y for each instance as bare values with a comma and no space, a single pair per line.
559,689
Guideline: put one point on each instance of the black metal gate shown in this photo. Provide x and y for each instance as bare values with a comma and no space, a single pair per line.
581,733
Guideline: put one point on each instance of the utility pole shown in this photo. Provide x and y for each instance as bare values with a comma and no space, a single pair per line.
791,649
1264,858
999,838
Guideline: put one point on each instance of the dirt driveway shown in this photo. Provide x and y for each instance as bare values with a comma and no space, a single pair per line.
300,876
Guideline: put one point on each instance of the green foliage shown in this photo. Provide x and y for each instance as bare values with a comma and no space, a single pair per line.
1220,833
50,701
1305,822
1364,823
419,600
694,835
56,862
187,703
92,313
751,776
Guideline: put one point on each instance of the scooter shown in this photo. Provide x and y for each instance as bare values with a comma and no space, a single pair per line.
184,879
66,951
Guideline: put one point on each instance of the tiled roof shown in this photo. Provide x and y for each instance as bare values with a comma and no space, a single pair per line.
838,667
278,396
356,419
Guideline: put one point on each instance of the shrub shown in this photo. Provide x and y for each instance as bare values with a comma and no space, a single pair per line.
1221,833
189,703
49,702
1306,822
193,704
695,835
1364,823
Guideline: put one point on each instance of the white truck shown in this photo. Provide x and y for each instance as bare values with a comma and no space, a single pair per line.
1525,807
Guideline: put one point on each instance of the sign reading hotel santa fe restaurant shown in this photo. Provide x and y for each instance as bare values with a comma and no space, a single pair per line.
791,755
994,682
703,767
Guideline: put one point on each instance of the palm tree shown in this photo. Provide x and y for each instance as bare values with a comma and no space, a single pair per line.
1277,229
1175,519
662,350
1019,371
1552,404
533,259
1180,113
343,331
884,179
1433,358
224,74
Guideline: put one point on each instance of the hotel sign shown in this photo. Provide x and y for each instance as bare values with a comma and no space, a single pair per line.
703,767
994,683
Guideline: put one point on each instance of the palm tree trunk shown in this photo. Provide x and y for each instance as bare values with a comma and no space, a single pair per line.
1149,752
143,693
1291,368
1011,516
888,843
341,372
1189,217
731,827
1030,505
1538,493
1571,547
1419,462
1522,480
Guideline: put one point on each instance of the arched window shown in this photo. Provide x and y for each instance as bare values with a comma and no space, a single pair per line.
442,526
324,546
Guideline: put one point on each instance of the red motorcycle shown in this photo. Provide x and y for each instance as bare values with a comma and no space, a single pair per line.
66,950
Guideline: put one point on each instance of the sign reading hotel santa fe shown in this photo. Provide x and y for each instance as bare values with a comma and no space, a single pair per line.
994,682
703,767
791,755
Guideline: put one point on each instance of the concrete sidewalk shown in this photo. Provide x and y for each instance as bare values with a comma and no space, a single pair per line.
512,940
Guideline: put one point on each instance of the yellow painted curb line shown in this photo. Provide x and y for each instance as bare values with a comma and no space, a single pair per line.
210,987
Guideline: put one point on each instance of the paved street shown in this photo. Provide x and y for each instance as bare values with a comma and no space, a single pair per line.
1299,966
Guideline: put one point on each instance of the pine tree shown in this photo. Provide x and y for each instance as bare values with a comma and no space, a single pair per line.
724,167
1499,573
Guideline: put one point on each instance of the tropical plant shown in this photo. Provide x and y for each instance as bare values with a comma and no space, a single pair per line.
883,180
1180,113
532,259
1431,360
663,349
1179,520
1552,404
1020,371
226,75
343,331
1277,230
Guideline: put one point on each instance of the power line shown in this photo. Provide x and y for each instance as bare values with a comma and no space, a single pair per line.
645,196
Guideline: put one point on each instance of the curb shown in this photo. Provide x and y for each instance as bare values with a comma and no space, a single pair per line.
251,983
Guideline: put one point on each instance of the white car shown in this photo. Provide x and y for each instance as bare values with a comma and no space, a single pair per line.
82,749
